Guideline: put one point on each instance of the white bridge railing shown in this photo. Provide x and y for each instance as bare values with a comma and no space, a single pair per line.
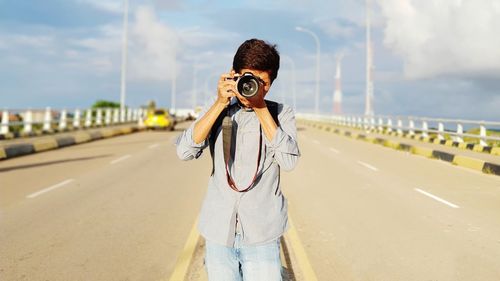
61,120
413,125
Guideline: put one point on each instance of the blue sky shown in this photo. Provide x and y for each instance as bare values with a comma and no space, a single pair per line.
430,58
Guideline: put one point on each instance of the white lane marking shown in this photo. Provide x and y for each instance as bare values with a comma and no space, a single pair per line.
120,159
316,142
334,150
437,198
154,146
33,195
367,166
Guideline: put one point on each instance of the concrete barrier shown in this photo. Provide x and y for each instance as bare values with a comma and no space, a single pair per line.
81,137
19,149
459,160
55,142
423,151
2,153
44,144
468,162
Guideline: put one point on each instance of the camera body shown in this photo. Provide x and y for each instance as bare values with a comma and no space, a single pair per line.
247,84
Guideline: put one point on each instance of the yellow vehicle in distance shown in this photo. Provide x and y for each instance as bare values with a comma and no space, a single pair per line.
159,119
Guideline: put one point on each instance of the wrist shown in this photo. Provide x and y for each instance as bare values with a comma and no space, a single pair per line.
260,108
220,104
222,101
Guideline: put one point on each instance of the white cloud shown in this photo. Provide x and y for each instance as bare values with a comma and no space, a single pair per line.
335,29
21,40
113,6
446,37
201,38
152,47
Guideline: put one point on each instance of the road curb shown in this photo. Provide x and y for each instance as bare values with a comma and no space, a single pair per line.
2,153
469,162
419,137
44,144
459,160
56,142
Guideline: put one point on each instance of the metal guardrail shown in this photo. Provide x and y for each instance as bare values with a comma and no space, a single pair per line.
412,125
61,119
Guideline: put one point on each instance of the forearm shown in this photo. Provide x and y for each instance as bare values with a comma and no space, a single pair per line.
267,122
204,125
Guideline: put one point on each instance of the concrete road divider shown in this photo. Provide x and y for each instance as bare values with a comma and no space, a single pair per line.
65,141
81,137
44,144
54,142
423,151
468,162
19,149
2,154
459,160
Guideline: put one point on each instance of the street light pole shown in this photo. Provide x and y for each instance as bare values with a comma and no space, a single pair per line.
124,61
195,83
174,82
369,111
318,54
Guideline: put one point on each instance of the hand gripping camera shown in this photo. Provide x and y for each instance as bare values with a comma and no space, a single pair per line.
247,84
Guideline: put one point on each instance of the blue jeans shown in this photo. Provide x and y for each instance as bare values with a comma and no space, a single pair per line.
243,263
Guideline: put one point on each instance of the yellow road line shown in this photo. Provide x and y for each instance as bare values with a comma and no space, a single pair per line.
184,260
300,253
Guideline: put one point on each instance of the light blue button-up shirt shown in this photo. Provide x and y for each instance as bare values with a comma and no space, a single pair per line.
262,211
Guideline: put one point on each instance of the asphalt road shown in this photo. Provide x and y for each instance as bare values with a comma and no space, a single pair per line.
121,209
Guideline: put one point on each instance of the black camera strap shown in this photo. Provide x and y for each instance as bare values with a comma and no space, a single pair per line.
227,134
216,129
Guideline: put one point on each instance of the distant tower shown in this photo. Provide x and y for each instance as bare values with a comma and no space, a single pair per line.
337,94
369,65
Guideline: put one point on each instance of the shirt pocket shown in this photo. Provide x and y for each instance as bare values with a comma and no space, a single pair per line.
247,146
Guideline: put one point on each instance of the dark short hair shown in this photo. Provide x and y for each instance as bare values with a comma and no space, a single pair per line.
259,55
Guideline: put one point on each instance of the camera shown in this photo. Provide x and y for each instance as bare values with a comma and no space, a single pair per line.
247,84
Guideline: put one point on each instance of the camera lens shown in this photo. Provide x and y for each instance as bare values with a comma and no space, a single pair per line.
248,86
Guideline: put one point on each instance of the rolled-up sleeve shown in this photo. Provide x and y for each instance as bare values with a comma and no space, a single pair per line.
284,147
187,149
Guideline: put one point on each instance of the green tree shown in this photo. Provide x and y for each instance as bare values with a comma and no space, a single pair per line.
105,104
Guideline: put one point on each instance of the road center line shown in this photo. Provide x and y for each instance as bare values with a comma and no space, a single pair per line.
120,159
437,198
316,142
184,260
367,166
334,150
35,194
154,146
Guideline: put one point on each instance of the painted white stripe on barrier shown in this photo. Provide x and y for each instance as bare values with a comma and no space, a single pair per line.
33,195
120,159
437,198
367,166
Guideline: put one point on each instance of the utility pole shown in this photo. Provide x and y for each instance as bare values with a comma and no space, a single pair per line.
124,61
318,68
337,94
174,82
369,110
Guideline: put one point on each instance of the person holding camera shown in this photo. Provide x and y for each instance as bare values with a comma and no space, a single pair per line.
244,213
